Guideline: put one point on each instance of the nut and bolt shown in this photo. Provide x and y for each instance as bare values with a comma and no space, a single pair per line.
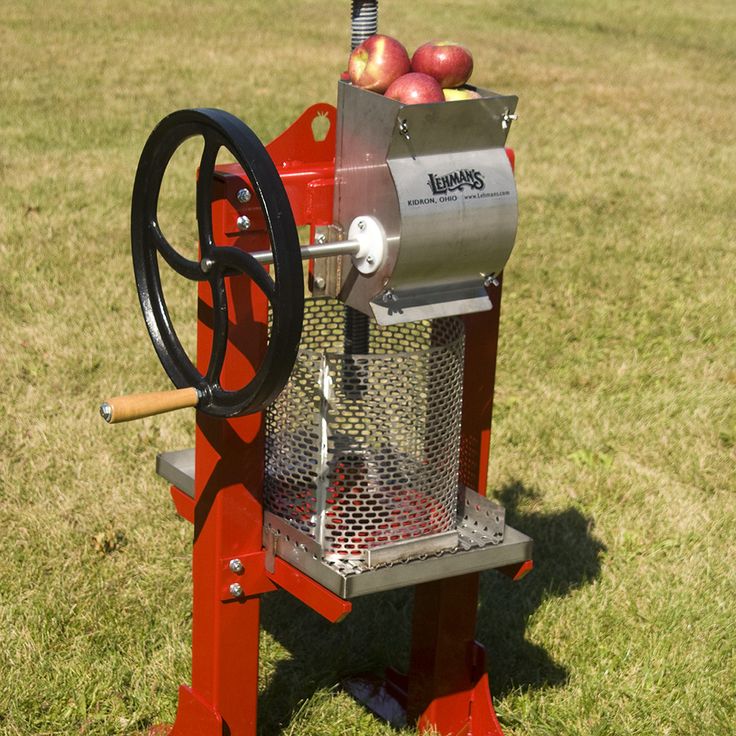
319,282
388,296
236,590
244,195
320,238
243,222
236,566
506,119
489,281
206,265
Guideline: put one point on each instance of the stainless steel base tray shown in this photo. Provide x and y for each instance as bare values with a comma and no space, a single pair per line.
478,545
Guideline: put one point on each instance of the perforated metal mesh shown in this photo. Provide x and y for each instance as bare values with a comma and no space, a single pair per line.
362,450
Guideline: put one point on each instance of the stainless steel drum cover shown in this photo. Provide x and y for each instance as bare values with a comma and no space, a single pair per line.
362,450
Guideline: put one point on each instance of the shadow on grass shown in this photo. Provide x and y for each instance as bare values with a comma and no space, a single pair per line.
377,632
566,556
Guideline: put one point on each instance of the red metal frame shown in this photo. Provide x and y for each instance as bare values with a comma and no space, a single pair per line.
447,686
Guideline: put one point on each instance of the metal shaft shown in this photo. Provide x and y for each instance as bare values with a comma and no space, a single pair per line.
341,248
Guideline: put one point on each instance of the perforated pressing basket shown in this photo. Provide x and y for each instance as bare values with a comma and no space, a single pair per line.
362,450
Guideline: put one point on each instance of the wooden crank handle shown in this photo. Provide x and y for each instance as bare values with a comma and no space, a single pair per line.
137,406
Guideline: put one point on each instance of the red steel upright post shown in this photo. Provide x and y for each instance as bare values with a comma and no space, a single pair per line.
447,688
227,526
228,561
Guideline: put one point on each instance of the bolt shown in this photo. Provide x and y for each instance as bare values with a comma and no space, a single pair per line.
319,282
243,222
236,590
243,195
206,265
369,259
506,119
320,238
489,281
361,225
236,566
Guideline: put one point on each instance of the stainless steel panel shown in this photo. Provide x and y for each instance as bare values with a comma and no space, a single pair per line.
177,467
351,581
458,235
438,179
363,183
413,305
412,548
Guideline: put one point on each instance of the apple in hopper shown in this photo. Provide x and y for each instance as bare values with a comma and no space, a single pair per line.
415,88
451,64
452,95
377,62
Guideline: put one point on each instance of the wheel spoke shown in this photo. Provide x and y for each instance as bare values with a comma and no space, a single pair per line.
242,262
204,194
219,330
183,266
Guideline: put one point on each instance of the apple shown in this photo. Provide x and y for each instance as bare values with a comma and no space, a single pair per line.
377,62
415,88
453,94
451,64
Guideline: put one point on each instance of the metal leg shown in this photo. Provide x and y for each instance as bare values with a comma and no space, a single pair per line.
228,517
448,685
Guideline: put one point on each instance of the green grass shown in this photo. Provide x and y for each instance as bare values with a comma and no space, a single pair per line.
615,425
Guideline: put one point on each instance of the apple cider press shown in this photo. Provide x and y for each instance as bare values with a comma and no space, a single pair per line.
342,437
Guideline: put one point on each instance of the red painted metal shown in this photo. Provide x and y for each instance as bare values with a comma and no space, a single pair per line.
446,688
307,169
227,523
183,503
518,571
227,509
309,592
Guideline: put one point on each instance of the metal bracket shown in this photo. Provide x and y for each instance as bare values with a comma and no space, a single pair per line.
327,272
244,576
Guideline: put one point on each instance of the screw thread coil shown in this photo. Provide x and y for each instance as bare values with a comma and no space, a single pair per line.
364,15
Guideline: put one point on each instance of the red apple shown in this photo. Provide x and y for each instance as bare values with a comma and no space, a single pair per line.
377,62
415,88
451,94
451,64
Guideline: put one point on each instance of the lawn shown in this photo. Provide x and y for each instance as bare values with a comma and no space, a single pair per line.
614,441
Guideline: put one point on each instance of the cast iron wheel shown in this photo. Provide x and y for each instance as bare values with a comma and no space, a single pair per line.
285,294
